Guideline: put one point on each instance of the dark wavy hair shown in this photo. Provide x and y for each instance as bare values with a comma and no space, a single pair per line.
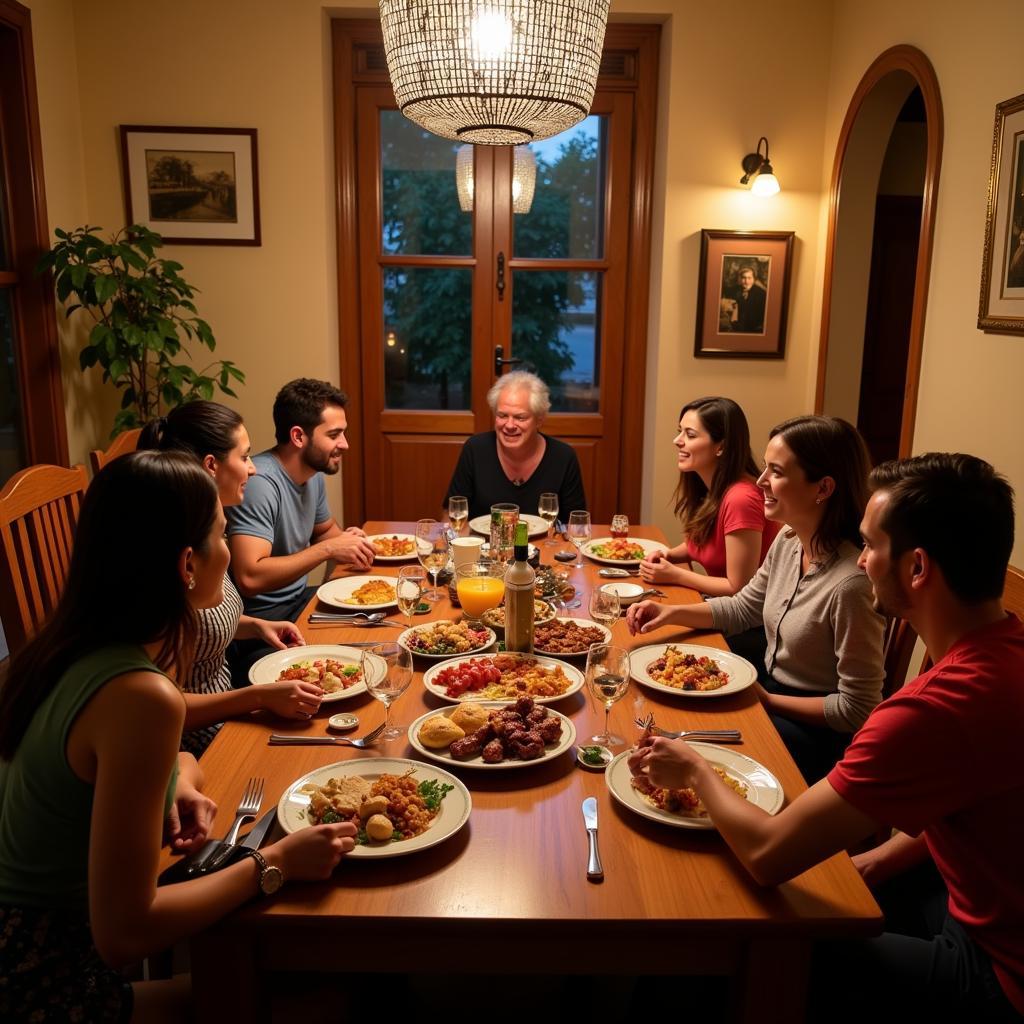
146,505
827,446
696,505
956,507
301,403
198,428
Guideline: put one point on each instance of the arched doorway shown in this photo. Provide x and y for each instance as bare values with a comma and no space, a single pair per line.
878,251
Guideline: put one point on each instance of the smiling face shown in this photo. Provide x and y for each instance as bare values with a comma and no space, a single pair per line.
323,448
696,451
789,497
232,473
515,423
890,594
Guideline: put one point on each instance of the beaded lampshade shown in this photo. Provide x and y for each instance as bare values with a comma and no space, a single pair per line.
524,178
494,72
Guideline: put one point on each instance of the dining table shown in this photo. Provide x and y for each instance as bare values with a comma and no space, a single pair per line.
508,892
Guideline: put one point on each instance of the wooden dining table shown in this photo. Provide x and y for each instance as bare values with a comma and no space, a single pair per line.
509,891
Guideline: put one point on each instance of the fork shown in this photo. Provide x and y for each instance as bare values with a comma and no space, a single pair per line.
722,735
248,808
281,740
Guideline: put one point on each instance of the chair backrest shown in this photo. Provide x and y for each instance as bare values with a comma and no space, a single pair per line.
124,443
898,649
1013,592
39,509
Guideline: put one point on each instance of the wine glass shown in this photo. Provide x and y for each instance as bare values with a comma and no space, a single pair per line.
547,509
480,586
620,526
409,589
387,669
458,513
579,534
607,680
605,607
432,549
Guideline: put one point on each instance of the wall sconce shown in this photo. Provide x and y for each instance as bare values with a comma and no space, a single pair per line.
757,167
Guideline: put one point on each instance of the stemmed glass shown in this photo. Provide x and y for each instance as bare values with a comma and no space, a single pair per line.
579,534
605,607
409,589
387,669
432,549
458,513
607,680
547,509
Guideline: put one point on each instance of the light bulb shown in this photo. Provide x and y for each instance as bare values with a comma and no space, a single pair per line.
765,184
490,35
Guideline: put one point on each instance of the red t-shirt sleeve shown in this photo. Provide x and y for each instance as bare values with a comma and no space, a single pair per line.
742,508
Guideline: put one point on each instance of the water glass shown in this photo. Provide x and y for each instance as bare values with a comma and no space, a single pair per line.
458,513
605,607
620,526
432,550
409,589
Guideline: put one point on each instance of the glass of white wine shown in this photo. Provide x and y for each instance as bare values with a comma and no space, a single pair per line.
409,589
432,549
605,607
458,513
608,681
579,533
387,669
547,509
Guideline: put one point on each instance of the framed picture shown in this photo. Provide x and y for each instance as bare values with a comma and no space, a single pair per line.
195,186
1002,265
743,294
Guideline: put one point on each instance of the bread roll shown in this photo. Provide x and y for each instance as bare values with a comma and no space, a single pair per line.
438,732
469,717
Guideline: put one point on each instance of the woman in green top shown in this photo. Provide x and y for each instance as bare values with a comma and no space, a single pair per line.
90,724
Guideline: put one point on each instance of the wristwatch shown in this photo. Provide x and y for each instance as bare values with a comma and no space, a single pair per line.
271,878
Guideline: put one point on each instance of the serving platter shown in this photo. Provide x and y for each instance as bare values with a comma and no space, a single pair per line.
535,526
405,636
605,631
573,674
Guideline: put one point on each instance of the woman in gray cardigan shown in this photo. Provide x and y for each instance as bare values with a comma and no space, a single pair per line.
822,673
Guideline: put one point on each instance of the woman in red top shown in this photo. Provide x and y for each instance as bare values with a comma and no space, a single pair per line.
720,507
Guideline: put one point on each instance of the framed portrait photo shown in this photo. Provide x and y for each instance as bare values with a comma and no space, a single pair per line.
1001,307
743,294
195,186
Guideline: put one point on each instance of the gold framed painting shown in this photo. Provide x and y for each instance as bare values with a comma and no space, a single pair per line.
1001,307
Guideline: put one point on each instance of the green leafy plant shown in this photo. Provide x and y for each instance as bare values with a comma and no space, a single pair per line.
141,308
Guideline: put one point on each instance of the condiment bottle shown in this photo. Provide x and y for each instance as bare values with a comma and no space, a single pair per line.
519,584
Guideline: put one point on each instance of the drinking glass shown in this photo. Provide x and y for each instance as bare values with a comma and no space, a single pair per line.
605,607
547,509
504,517
409,589
579,534
387,669
620,526
480,587
432,550
607,680
458,513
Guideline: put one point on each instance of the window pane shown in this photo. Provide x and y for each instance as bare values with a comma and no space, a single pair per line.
566,220
427,337
555,329
420,204
12,453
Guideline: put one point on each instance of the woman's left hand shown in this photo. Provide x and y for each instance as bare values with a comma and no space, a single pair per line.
190,819
673,764
279,634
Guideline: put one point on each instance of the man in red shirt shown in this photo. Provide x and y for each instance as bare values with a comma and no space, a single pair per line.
939,760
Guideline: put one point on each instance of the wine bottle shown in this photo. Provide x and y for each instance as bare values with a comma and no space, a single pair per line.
519,584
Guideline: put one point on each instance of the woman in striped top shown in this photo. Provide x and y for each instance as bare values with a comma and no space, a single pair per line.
216,437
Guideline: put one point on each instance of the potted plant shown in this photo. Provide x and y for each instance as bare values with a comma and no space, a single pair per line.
140,306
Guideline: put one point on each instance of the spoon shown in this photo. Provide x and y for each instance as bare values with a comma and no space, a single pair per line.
616,574
339,617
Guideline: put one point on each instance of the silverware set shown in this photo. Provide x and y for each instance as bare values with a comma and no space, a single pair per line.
354,619
215,854
717,735
361,742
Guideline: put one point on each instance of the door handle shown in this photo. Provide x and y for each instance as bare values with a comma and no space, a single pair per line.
499,351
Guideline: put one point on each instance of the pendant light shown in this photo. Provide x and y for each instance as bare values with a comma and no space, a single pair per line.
524,178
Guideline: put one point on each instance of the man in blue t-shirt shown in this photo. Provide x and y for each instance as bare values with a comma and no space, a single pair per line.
283,528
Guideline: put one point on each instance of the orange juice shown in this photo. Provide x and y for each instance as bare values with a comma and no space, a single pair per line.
478,593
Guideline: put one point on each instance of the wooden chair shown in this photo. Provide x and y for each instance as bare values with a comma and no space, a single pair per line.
121,445
898,649
39,509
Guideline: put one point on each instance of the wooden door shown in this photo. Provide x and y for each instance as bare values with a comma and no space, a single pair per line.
440,289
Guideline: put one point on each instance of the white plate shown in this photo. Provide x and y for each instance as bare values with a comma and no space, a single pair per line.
649,546
391,536
406,633
573,674
763,789
535,526
741,673
577,654
338,593
454,813
443,757
267,669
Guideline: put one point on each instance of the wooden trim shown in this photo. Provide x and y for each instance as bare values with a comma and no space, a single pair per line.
913,62
38,354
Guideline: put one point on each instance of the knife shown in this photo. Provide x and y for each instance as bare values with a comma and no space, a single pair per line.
595,872
252,841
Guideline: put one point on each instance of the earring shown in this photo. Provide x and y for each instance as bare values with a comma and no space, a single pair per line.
719,453
191,583
817,501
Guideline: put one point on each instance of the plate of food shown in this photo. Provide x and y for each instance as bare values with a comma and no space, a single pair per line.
535,526
691,670
681,808
620,550
492,734
504,678
393,547
365,792
567,638
494,618
336,670
444,639
359,593
553,584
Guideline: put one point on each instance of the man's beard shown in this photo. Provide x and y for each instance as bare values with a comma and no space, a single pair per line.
320,462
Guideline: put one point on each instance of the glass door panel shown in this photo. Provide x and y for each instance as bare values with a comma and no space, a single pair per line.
12,443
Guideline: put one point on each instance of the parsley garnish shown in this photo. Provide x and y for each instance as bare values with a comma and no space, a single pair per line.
433,792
